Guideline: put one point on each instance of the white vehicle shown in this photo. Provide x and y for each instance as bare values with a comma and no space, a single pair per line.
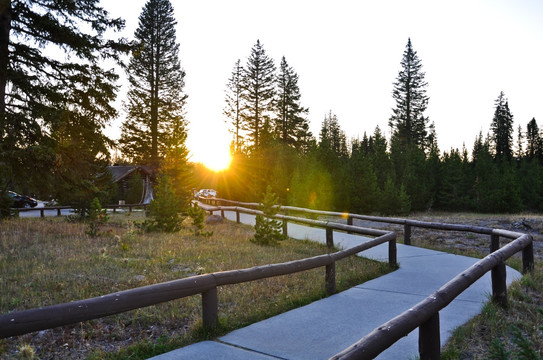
206,193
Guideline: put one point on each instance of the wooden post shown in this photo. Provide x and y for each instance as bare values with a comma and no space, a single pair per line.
210,308
349,222
498,274
331,278
494,243
392,254
42,214
58,212
499,285
528,258
329,238
222,213
407,234
429,339
237,216
285,228
130,208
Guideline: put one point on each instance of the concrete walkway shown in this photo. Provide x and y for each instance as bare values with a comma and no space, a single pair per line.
324,328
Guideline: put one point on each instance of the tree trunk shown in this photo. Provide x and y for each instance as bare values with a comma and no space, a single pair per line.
5,27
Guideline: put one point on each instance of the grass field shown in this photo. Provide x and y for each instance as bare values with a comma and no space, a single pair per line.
52,260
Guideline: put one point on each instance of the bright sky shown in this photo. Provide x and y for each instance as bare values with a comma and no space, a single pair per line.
347,55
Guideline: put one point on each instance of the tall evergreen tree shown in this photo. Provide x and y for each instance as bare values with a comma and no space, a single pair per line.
290,125
41,92
534,142
232,109
408,123
520,140
156,100
258,94
502,129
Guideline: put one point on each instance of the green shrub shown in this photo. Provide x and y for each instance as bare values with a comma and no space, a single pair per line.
96,216
198,221
165,209
5,205
268,230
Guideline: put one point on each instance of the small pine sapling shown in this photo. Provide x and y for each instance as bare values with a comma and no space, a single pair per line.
267,230
96,217
165,209
198,221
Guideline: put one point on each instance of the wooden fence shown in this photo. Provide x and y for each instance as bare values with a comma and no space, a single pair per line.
59,209
425,315
22,322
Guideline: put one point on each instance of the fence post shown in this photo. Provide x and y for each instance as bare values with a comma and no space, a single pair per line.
329,238
237,216
392,253
498,275
331,278
349,222
499,285
494,242
210,308
58,211
407,234
528,258
285,228
42,214
429,339
222,213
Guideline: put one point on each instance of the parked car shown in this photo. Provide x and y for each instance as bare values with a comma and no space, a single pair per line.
205,193
21,201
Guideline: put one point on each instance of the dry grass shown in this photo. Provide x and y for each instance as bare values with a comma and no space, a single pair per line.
50,261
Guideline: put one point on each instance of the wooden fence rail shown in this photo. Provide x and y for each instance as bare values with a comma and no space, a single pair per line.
425,315
60,208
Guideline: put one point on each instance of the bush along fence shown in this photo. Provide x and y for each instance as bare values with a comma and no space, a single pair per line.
23,322
424,315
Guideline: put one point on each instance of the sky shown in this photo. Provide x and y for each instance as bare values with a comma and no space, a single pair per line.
347,55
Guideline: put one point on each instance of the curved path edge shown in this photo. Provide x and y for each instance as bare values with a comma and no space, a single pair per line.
326,327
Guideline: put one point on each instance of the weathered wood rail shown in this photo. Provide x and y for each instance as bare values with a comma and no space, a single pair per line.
425,315
59,209
22,322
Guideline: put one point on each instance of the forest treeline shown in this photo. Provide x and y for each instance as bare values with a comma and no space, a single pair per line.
408,172
54,110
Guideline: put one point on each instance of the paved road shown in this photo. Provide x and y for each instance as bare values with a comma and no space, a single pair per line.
326,327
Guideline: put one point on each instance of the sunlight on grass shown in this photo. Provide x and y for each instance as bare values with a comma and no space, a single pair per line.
42,263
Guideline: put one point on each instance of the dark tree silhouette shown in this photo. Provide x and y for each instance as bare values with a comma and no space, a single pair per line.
258,94
408,122
51,103
155,108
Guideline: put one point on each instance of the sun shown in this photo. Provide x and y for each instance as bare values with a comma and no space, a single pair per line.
217,161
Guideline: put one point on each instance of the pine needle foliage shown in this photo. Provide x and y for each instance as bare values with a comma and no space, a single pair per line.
268,230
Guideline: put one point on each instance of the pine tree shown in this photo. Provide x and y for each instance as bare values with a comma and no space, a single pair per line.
534,146
290,126
268,230
408,123
502,130
155,106
520,140
232,109
40,89
258,94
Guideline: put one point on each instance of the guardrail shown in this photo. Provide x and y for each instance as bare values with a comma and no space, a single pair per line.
22,322
425,315
59,209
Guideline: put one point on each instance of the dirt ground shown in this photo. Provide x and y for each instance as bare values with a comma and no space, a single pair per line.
467,243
